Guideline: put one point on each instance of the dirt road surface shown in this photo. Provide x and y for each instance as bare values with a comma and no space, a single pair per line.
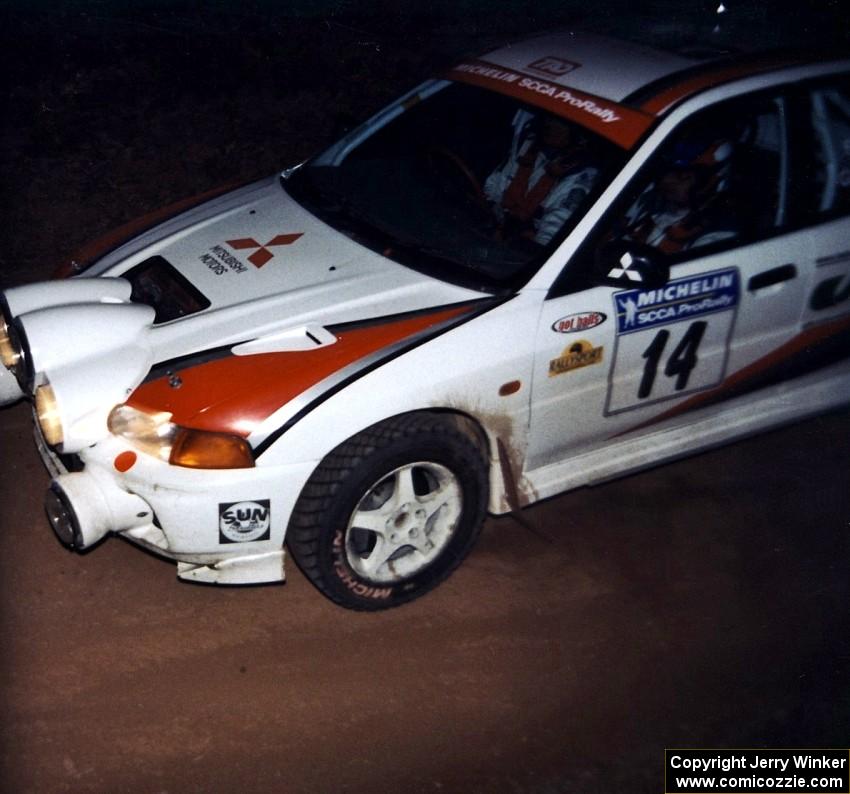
703,604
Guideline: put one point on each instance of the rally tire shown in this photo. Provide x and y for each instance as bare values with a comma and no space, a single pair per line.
391,512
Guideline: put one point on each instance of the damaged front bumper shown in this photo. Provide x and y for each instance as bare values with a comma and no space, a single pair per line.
190,516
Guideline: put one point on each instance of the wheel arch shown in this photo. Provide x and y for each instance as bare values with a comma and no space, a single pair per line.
492,436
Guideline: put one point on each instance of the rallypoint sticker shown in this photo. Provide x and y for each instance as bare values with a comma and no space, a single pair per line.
581,354
241,522
580,321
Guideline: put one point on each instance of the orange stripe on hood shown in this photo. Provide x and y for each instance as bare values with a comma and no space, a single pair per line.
94,250
234,394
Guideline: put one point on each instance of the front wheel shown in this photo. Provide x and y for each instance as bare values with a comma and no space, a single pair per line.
391,512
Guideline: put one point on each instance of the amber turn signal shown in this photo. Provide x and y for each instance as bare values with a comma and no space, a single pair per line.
197,449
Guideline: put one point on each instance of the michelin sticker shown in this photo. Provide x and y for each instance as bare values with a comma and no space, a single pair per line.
240,522
672,340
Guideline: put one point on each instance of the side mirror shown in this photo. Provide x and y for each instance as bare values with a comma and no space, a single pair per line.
626,263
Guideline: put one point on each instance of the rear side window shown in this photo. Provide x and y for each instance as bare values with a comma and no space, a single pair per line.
156,283
830,123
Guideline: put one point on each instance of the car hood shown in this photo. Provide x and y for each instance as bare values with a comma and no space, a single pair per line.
265,263
292,303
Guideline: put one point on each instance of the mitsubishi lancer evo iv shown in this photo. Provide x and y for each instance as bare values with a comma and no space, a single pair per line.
572,258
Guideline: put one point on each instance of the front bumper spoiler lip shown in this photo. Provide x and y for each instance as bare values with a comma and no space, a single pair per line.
209,567
263,568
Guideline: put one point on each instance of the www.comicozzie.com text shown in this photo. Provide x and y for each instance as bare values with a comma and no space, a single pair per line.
760,771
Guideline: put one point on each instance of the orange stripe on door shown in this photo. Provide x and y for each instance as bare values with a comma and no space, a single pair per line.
742,379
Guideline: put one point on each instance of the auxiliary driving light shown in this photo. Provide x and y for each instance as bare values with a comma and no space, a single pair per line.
10,350
47,413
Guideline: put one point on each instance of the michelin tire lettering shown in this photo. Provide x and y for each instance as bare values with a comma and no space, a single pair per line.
347,577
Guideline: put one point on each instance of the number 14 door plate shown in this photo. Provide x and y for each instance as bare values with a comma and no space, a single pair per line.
673,340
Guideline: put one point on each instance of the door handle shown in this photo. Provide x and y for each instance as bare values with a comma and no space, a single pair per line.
770,277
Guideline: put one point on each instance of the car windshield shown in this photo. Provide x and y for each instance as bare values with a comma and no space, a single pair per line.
463,183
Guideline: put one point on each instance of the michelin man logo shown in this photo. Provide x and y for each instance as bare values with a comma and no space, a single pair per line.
628,311
240,522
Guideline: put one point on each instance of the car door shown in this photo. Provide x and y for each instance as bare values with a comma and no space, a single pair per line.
622,351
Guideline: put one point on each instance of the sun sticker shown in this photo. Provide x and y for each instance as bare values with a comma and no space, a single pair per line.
240,522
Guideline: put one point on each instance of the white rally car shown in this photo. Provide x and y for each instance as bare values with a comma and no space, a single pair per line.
570,259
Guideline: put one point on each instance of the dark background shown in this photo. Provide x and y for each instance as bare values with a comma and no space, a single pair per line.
702,604
112,109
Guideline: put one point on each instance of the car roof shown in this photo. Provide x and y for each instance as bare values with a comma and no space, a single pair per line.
620,87
606,67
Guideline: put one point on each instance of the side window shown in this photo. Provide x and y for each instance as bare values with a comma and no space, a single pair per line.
830,166
719,179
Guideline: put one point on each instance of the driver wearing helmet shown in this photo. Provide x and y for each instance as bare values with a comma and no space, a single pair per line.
684,207
544,179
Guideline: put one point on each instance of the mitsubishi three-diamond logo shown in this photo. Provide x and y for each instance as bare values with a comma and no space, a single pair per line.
262,255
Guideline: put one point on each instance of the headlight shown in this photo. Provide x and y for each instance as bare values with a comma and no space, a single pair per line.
7,351
47,413
11,350
13,353
151,433
157,435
